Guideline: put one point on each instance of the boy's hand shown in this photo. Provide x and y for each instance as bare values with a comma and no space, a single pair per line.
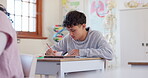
74,52
50,52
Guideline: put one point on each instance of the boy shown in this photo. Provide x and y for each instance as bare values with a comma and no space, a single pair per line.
81,41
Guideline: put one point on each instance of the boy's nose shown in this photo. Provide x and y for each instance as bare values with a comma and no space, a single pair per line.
71,33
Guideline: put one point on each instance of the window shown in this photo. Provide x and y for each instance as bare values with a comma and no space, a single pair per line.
27,17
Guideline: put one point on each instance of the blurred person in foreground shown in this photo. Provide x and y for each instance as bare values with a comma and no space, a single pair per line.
10,66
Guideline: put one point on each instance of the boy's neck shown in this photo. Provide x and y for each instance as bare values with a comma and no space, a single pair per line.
84,36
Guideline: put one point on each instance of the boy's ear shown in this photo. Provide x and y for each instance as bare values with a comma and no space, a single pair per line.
84,25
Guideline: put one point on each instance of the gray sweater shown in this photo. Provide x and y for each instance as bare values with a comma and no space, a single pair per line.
94,45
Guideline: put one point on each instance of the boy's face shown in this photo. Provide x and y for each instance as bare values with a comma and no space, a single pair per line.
77,32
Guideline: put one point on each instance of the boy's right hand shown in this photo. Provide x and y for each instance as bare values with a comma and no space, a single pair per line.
50,52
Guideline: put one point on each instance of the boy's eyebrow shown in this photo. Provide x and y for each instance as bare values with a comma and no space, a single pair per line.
70,29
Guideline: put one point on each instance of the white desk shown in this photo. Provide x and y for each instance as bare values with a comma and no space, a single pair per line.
60,66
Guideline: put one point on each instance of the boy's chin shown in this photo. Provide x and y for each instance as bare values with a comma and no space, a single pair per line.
76,39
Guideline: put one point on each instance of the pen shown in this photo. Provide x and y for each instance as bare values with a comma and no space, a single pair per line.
64,53
48,46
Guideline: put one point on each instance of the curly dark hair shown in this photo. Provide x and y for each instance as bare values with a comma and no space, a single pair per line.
74,18
3,9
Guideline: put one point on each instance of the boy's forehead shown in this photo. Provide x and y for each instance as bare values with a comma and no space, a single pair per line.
73,27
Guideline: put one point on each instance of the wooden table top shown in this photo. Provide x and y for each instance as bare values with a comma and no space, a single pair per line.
66,59
139,63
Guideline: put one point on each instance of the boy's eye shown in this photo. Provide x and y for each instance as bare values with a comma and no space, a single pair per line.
73,30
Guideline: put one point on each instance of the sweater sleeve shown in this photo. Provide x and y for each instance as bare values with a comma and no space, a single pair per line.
103,49
3,42
61,46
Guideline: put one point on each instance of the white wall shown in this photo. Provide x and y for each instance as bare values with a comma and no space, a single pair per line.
3,2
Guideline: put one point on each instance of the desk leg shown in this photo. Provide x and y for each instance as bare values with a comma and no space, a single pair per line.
60,75
46,76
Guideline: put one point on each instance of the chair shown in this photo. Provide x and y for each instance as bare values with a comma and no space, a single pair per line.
28,65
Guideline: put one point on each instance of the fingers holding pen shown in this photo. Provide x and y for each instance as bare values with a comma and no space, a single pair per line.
50,52
54,53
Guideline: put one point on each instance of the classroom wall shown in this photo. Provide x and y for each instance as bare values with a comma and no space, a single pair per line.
3,2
